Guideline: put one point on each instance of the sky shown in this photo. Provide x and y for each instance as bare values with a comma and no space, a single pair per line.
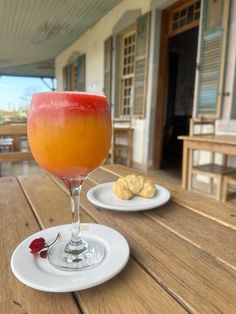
15,92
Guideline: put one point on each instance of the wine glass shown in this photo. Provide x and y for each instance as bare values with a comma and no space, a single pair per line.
70,136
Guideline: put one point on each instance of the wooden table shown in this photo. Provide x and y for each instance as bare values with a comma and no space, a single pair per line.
183,257
224,144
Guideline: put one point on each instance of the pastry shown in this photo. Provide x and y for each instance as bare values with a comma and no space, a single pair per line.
126,187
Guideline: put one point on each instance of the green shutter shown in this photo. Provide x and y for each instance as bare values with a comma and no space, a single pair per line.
108,68
81,73
141,65
66,78
209,88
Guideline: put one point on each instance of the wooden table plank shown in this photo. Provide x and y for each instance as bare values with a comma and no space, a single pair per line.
131,292
16,223
204,233
217,146
195,278
48,201
133,289
207,207
210,138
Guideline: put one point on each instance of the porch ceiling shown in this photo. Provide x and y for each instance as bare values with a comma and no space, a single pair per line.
33,33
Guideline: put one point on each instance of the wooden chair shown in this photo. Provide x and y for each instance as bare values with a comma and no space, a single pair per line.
201,127
215,172
229,181
122,142
14,132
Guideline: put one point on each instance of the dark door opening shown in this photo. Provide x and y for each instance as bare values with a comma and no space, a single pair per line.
182,52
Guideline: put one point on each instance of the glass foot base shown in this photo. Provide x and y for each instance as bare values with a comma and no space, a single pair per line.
91,257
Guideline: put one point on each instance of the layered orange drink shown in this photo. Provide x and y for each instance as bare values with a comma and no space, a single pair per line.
69,132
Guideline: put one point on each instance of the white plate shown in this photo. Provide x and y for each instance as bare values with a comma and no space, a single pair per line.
102,196
37,273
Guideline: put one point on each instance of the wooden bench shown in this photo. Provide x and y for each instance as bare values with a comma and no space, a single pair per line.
14,131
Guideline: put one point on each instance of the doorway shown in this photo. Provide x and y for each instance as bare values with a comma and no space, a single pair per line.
182,53
176,79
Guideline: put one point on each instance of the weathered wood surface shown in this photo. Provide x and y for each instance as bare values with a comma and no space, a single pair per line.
208,235
16,223
182,260
133,289
14,131
15,156
200,204
177,258
221,139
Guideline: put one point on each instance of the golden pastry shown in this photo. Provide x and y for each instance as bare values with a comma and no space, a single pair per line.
126,187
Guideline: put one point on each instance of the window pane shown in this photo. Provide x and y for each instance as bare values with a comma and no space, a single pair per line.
128,48
190,13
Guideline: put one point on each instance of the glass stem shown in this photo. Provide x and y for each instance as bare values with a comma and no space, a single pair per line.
76,244
75,203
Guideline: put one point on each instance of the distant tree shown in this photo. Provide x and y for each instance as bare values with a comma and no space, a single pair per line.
26,96
2,118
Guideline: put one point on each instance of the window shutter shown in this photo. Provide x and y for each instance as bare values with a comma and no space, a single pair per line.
141,65
66,78
210,78
108,68
73,75
81,73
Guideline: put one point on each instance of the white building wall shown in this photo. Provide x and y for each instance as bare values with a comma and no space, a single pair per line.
91,43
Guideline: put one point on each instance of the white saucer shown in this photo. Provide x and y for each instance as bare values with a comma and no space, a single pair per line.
102,196
37,273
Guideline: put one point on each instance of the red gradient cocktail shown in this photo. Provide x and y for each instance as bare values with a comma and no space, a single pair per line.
70,136
69,133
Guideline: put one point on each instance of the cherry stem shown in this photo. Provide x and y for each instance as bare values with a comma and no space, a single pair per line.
54,240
